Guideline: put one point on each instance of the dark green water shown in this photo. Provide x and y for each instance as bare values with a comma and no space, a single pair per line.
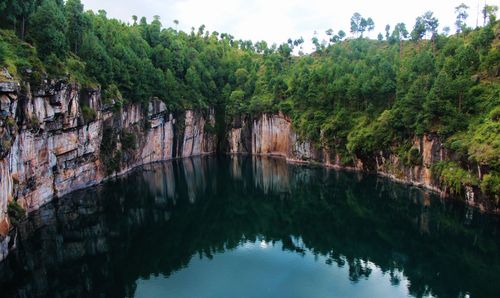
251,227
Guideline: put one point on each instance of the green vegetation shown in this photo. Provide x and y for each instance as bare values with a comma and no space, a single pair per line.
491,185
16,213
354,95
128,140
109,156
452,176
89,115
414,158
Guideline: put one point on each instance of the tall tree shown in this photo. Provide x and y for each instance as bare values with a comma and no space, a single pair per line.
370,24
359,24
16,13
341,34
425,25
462,16
52,39
387,32
400,32
77,23
489,13
418,31
431,23
356,22
153,31
316,43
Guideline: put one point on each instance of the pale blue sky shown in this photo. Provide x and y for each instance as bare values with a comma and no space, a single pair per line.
276,21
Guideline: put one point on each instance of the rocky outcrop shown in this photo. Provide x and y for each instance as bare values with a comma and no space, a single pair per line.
431,151
57,138
273,134
270,134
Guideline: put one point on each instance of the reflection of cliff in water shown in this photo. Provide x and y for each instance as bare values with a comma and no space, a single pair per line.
100,241
271,175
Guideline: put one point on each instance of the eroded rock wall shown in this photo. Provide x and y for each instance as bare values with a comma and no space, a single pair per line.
51,141
431,151
273,134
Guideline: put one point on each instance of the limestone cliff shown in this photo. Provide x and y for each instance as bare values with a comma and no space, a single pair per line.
273,134
57,138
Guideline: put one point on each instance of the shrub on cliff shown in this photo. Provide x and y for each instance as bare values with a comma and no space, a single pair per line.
108,153
453,177
112,95
128,140
16,213
88,114
414,158
490,185
484,140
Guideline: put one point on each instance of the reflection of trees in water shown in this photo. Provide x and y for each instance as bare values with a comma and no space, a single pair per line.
155,221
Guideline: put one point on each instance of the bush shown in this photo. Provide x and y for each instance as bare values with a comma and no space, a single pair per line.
484,143
414,158
76,69
128,140
88,114
55,67
110,158
490,185
10,121
5,145
209,128
34,123
16,213
452,176
112,94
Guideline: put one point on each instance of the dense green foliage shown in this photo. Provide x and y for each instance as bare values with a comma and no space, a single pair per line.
356,96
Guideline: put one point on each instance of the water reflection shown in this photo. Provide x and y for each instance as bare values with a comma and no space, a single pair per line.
100,242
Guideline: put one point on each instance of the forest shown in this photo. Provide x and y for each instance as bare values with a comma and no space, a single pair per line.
352,94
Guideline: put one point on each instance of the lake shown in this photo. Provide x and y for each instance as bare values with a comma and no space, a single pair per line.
242,226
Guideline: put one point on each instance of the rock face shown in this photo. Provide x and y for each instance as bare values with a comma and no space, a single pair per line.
431,151
272,134
58,138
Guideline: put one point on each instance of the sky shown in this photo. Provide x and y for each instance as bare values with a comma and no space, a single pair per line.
277,20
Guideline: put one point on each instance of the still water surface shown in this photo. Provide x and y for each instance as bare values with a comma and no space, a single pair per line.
253,227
